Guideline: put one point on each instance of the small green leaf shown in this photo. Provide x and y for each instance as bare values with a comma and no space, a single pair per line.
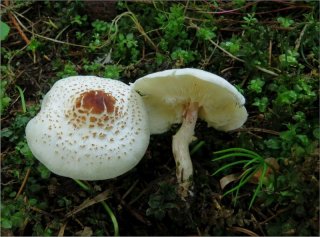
303,139
316,133
4,30
262,103
285,22
17,218
287,97
256,85
6,224
273,144
44,172
205,34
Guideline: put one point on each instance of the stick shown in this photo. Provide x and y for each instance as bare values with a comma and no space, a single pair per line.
16,24
23,183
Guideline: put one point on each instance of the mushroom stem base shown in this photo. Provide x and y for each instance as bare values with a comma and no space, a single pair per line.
180,149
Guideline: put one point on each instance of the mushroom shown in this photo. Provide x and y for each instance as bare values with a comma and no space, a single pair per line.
181,96
89,128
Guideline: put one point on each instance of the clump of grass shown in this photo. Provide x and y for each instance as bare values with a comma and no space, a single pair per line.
253,163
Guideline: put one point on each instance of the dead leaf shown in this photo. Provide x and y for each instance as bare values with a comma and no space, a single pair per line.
87,231
99,198
257,176
229,179
236,229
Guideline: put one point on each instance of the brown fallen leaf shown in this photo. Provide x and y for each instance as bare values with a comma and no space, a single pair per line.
271,161
87,231
229,179
99,198
236,229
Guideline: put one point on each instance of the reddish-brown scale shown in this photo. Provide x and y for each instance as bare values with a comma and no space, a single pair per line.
93,119
105,118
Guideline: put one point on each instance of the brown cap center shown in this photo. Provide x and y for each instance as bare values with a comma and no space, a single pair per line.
96,102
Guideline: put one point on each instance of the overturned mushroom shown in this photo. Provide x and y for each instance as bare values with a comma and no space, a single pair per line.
183,95
89,128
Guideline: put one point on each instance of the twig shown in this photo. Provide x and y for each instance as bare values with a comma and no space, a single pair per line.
242,230
267,71
298,41
134,213
138,26
63,227
275,215
41,211
16,24
270,52
130,189
4,9
226,52
256,130
44,37
23,183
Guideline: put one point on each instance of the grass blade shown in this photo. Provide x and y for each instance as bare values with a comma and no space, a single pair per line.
23,101
82,185
112,217
197,147
229,165
234,155
236,149
264,171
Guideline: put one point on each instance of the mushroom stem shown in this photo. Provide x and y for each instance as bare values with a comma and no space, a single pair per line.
180,149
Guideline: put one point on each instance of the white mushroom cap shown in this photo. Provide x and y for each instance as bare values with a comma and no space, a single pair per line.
167,93
89,128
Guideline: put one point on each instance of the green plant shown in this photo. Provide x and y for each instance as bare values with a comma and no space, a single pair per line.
112,71
252,164
289,58
162,202
285,22
261,103
206,34
12,215
4,30
79,20
68,70
5,99
100,26
183,57
126,47
249,20
256,85
232,45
